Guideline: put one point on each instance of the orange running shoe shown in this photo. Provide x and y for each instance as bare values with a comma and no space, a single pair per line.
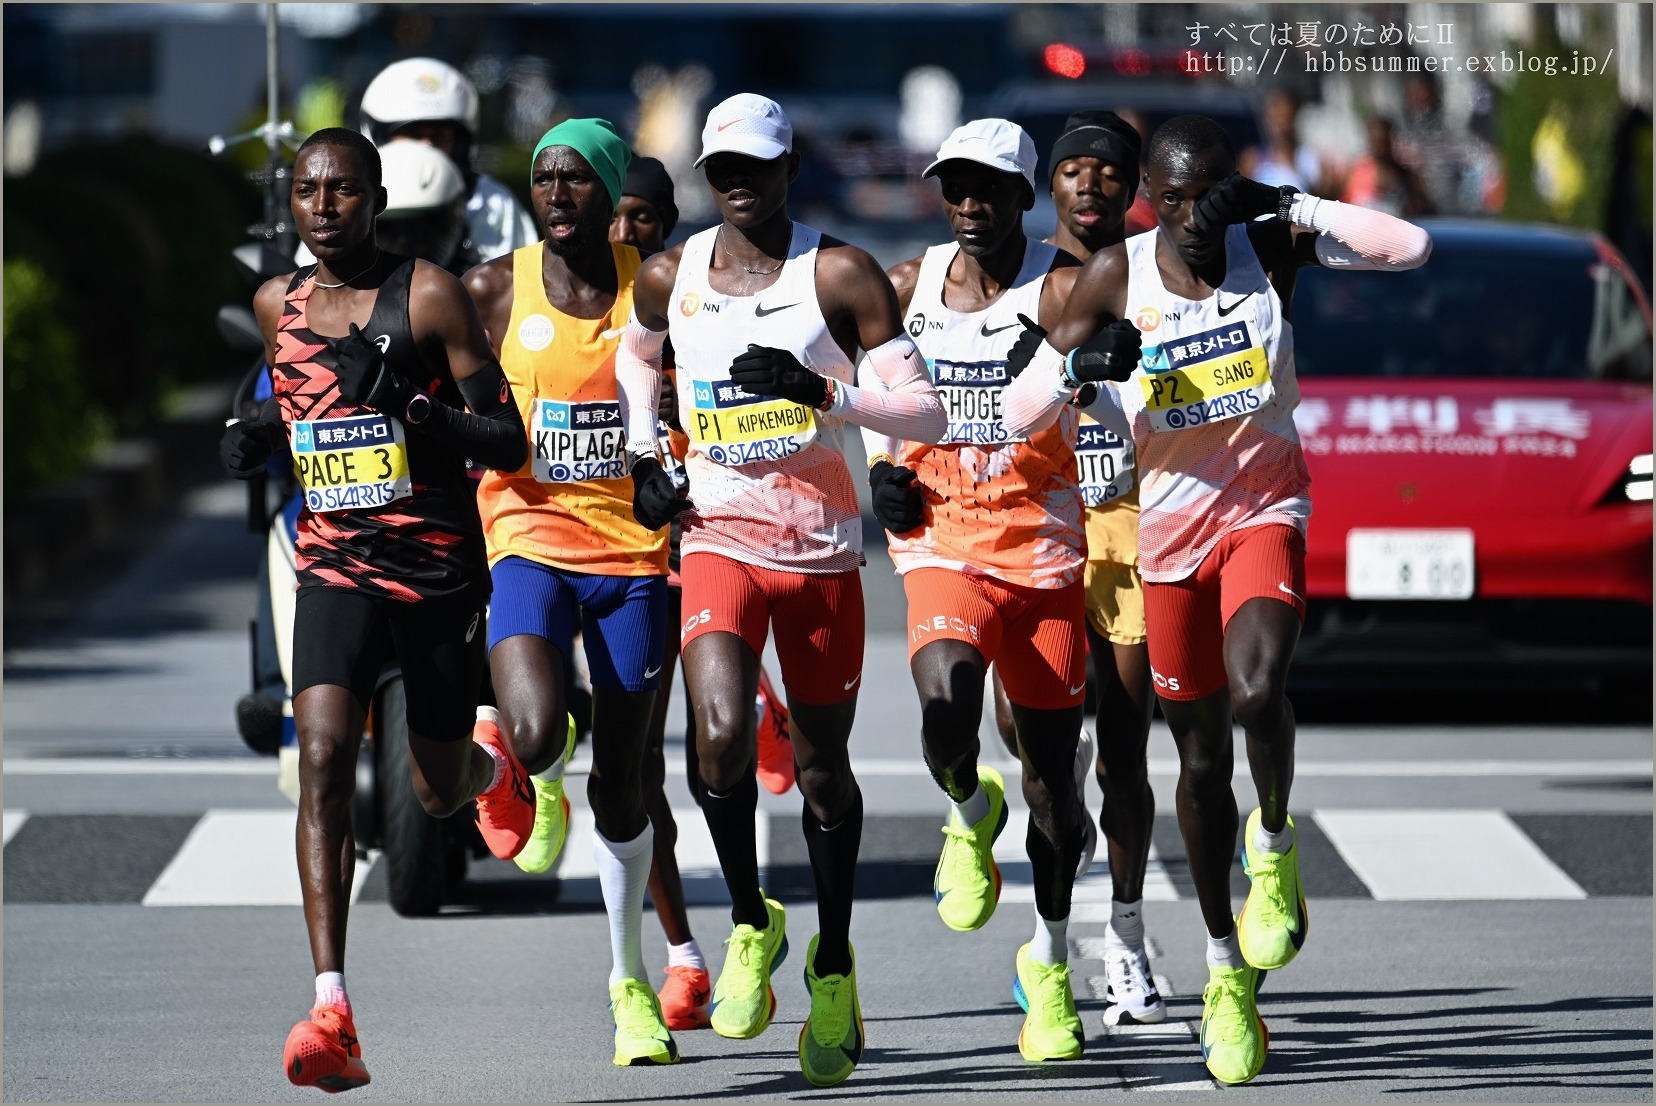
684,997
505,815
322,1051
775,767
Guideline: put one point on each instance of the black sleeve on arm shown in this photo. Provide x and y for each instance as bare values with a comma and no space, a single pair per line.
491,433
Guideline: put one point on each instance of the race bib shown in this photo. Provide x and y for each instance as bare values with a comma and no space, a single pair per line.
1106,464
577,441
970,392
1204,378
347,463
733,427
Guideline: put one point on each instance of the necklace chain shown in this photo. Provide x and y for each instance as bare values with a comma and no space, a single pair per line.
744,268
347,280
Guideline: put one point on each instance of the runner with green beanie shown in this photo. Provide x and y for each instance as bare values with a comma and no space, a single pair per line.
597,142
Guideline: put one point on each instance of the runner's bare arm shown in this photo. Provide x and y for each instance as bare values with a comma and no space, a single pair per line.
490,286
854,290
1097,298
638,360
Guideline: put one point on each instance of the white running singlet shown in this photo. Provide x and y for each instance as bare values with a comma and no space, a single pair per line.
767,476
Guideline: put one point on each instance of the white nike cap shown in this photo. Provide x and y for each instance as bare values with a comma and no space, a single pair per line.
747,124
998,143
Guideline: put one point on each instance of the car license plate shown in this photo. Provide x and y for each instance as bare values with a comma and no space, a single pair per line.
1409,564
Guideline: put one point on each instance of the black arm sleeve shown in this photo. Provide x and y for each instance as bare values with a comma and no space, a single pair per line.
491,433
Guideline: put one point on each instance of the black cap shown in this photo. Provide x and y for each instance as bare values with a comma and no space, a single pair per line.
648,180
1100,134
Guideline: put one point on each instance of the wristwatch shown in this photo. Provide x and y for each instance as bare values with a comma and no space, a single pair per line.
419,409
1286,195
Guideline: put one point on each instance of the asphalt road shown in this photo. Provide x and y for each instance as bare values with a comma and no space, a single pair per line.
1481,897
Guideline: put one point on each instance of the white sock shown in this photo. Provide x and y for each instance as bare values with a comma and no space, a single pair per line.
1267,842
1224,952
492,716
623,874
555,772
1127,922
974,808
1051,943
687,955
330,990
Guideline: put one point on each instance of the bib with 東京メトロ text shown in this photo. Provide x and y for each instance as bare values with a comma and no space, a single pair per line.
352,462
571,442
734,427
1206,377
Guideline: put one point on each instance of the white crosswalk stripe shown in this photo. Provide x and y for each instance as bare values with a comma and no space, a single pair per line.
14,822
1444,854
237,858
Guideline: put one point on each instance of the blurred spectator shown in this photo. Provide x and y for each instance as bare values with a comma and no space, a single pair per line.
1378,180
1462,173
1628,222
1282,158
1140,217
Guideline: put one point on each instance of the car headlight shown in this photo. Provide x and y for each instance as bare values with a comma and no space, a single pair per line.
1635,485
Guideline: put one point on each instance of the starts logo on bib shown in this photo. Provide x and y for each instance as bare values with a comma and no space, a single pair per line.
690,304
535,333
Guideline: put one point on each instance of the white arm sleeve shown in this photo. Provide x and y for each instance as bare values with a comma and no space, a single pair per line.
1032,401
906,407
874,442
1106,408
638,380
1363,238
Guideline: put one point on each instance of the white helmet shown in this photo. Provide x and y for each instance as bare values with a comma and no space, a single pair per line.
417,179
425,213
413,90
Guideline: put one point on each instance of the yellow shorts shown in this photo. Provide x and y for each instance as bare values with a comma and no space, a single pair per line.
1115,602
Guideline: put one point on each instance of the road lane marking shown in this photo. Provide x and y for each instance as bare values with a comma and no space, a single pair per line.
1327,769
1444,854
14,822
238,858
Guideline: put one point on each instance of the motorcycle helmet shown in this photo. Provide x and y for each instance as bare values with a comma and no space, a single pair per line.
420,90
425,213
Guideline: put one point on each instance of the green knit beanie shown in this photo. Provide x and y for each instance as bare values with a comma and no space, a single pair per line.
595,140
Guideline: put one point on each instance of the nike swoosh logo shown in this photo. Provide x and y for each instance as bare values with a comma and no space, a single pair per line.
1078,690
760,311
853,681
987,333
732,123
616,333
1284,588
1223,310
651,673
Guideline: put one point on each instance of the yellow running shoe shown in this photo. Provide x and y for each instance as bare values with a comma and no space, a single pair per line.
546,840
1051,1028
1274,920
968,881
831,1040
1234,1037
743,1002
641,1035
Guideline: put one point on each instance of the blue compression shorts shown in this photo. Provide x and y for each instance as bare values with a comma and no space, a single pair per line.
623,618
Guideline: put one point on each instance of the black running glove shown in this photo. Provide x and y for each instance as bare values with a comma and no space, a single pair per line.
1237,199
365,379
896,497
767,371
656,500
1111,354
1024,349
246,446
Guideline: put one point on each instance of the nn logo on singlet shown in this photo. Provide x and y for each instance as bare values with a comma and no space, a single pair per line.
692,303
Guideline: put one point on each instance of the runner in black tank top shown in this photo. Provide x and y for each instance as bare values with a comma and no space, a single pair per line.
384,385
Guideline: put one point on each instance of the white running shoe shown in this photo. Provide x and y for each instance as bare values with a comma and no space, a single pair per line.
1130,993
1085,751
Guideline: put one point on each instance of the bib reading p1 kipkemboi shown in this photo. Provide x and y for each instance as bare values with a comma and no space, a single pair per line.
577,441
1207,377
733,427
346,463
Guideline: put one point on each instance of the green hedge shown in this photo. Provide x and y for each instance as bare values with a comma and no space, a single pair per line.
119,258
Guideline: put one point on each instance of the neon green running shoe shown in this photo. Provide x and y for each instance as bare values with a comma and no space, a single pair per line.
641,1035
1234,1037
1051,1028
831,1040
968,881
546,840
1274,920
743,1002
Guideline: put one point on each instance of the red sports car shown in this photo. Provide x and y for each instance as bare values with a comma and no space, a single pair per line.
1479,437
